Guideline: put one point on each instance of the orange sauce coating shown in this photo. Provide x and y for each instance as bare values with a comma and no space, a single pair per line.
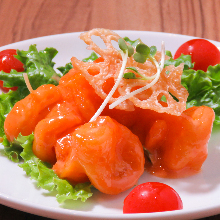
177,145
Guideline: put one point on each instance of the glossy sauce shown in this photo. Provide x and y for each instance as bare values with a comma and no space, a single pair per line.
177,146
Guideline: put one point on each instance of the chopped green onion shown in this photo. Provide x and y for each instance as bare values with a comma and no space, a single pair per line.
153,50
130,51
139,58
132,68
122,45
168,53
143,49
132,43
129,75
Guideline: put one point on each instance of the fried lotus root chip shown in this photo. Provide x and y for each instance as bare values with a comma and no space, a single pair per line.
107,71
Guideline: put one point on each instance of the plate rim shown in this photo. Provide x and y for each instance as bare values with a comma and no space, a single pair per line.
23,206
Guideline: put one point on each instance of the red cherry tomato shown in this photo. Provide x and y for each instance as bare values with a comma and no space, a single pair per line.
203,53
9,62
152,197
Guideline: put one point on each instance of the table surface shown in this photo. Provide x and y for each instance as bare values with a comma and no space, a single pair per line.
25,19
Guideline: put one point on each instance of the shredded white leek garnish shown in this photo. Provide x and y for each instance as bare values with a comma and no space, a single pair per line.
162,55
120,76
27,82
56,77
101,108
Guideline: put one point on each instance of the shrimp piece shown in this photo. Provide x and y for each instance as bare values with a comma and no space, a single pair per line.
177,145
26,113
65,167
79,106
63,116
112,157
126,118
74,87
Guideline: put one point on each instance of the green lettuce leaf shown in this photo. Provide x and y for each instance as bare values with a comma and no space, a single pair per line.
11,150
203,88
37,65
186,59
93,56
44,175
65,69
131,42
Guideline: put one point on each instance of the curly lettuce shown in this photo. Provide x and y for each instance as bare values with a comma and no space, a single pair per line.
42,172
186,59
37,64
65,69
203,88
39,67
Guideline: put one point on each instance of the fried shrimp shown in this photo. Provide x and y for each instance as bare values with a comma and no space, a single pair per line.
117,159
61,118
26,113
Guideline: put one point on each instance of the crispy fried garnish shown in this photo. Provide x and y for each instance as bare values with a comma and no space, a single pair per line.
106,74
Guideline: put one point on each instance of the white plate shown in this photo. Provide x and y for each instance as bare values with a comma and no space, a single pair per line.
200,193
